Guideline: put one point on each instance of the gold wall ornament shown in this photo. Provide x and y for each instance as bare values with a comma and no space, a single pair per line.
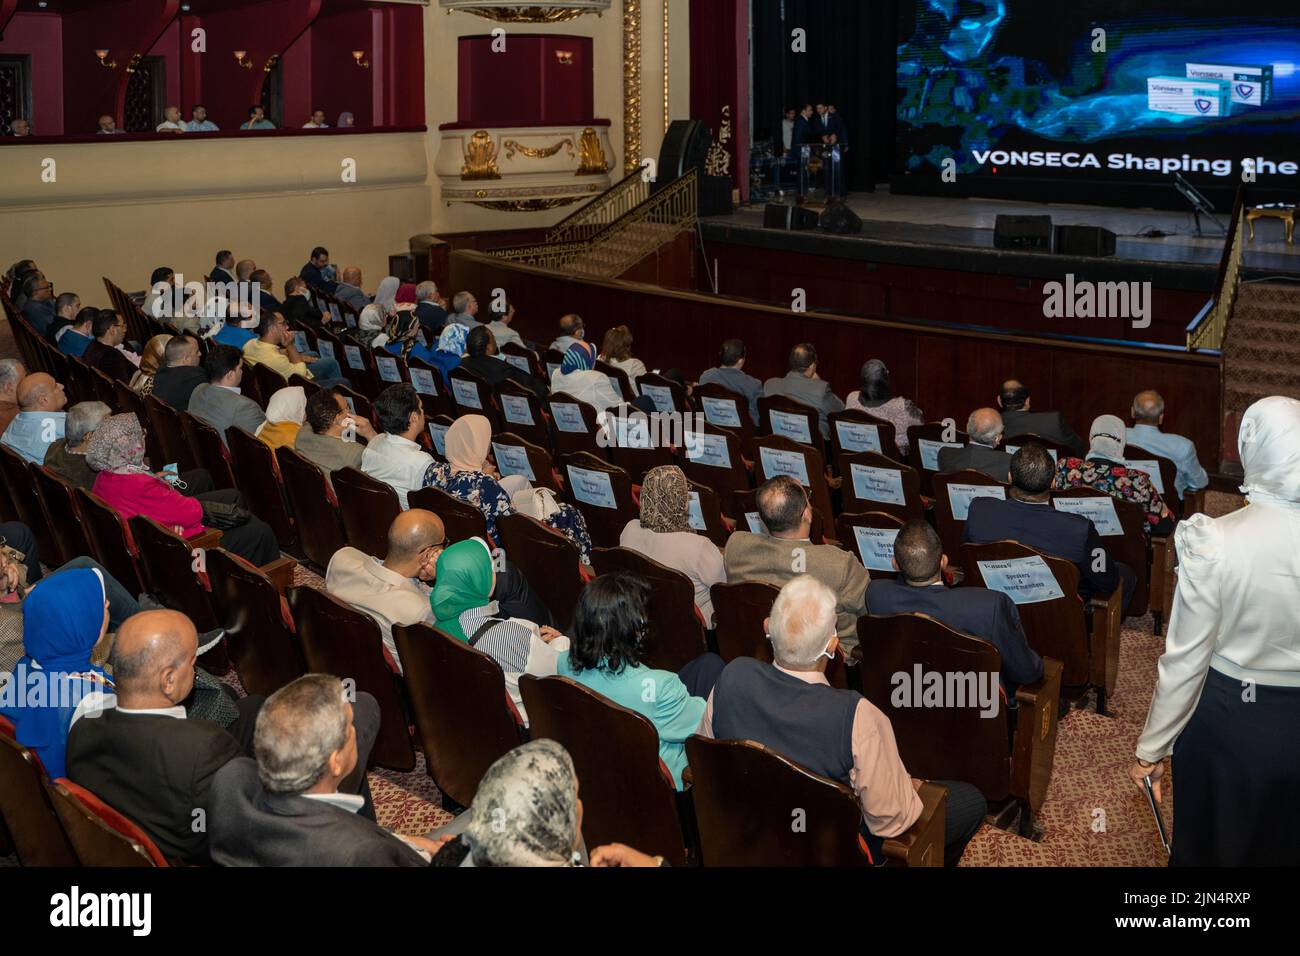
591,155
631,85
718,161
526,205
533,152
515,11
667,121
480,158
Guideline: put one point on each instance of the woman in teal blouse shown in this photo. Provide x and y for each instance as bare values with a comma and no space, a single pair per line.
609,628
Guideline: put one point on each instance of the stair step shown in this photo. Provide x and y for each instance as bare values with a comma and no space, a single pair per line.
1279,292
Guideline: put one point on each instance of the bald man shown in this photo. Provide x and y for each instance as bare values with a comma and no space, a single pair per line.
349,290
984,452
40,420
395,590
1148,416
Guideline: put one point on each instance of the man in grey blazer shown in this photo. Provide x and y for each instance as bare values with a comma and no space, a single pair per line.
217,401
285,809
804,385
786,552
982,453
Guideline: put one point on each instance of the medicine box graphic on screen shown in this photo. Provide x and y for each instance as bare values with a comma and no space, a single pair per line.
1169,94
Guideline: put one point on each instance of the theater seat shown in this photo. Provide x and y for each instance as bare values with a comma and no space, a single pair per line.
260,635
549,562
100,835
25,809
676,633
368,506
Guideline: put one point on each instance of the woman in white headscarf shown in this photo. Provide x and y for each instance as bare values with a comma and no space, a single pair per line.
386,295
285,414
1227,697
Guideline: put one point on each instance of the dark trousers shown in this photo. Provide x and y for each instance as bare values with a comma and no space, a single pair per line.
19,537
253,541
516,598
121,602
701,674
365,718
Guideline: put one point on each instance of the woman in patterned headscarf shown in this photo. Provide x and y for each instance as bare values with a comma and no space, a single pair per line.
526,811
450,350
150,362
664,534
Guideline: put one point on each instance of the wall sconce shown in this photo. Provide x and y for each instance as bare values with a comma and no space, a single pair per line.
357,56
104,61
564,57
241,57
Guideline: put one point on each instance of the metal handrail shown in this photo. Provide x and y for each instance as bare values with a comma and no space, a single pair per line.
626,194
1209,328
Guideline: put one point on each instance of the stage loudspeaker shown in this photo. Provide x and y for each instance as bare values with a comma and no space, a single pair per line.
840,219
685,146
1084,241
1025,233
715,196
776,216
803,218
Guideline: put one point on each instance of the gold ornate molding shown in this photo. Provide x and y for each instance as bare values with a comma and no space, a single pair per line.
533,152
514,11
480,158
591,156
526,205
631,85
667,114
718,161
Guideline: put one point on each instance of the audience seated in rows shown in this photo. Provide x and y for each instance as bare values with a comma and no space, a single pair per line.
396,457
469,476
1104,469
463,604
41,419
609,630
217,401
786,551
223,269
38,307
430,309
74,339
616,350
1027,516
983,452
288,805
180,373
151,359
500,324
348,289
107,352
314,270
663,533
464,309
274,348
578,377
332,437
66,309
980,612
298,305
571,330
124,482
875,397
1018,419
803,384
730,374
199,122
788,706
1148,416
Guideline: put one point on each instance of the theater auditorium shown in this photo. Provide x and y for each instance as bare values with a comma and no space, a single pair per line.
649,434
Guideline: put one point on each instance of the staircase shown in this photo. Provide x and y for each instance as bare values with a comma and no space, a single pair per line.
1261,351
611,234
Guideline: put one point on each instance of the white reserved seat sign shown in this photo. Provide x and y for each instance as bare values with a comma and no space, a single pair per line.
355,360
755,522
695,513
1101,511
629,431
568,417
1012,449
1152,468
512,460
930,452
793,427
856,436
388,368
960,497
705,449
722,412
439,435
661,396
592,487
878,484
300,341
792,463
422,381
876,547
616,384
466,393
1025,580
325,347
519,362
516,411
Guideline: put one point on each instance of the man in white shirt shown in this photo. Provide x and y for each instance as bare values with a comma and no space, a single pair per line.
171,121
396,457
317,121
1148,416
394,590
571,331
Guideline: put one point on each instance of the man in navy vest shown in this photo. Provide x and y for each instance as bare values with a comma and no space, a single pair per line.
789,707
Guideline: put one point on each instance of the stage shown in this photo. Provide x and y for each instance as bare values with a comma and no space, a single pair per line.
957,234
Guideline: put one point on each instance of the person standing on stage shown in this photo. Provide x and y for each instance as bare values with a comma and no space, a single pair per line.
787,131
802,131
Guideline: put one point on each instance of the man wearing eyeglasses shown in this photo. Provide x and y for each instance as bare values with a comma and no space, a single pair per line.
106,353
39,310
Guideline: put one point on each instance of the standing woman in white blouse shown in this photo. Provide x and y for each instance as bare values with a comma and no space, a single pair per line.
1227,697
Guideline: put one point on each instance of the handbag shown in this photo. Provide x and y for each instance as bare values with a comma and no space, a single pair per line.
223,516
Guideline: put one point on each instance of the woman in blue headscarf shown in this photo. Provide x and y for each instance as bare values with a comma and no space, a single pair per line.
64,617
450,350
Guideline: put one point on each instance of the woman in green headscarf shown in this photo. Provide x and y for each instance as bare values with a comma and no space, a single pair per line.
463,606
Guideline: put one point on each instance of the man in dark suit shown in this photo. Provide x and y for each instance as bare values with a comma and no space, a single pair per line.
482,359
109,330
144,757
981,453
287,809
1017,419
1028,517
989,615
803,130
266,301
297,305
803,384
224,269
431,310
175,382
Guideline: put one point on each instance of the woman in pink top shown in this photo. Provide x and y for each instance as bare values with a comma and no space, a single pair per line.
124,482
877,399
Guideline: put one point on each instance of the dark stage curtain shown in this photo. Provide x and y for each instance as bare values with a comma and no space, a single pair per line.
850,61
